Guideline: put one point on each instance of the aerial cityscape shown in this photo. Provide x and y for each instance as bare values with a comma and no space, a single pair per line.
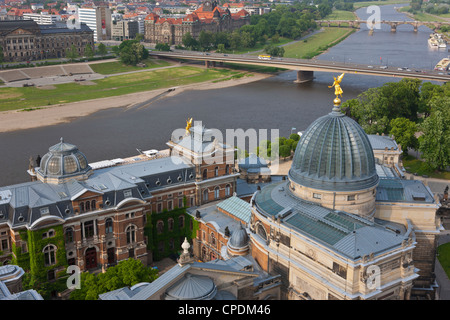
222,150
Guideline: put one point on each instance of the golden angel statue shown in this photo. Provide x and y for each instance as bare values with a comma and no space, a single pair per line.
188,125
337,85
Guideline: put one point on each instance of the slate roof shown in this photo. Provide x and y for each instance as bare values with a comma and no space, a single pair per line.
345,233
23,204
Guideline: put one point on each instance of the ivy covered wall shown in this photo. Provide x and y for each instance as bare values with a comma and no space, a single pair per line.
160,242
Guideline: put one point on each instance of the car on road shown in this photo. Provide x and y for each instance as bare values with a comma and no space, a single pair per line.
383,67
371,67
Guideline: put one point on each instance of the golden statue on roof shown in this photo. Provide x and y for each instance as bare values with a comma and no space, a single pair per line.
188,126
337,88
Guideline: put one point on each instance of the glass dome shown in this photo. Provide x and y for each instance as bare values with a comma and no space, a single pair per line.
62,162
334,154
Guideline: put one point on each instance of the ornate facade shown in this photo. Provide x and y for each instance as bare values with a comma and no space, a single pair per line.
209,17
25,40
94,215
335,229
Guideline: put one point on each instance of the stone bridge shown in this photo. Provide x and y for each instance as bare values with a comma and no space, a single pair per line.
375,25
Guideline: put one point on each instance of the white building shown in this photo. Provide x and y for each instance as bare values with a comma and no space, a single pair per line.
42,18
98,19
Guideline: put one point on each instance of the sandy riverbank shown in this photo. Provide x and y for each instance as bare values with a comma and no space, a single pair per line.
57,114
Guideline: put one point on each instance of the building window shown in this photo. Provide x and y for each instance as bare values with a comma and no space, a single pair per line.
181,222
228,190
261,231
216,193
180,203
49,255
212,239
317,196
216,171
69,235
131,234
108,226
170,224
5,244
205,195
160,227
351,197
89,229
227,169
169,205
205,174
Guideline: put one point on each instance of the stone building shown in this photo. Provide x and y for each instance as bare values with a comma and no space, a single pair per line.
94,215
25,40
238,278
124,30
208,17
335,218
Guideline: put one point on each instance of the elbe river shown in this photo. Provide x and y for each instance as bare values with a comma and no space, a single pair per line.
273,103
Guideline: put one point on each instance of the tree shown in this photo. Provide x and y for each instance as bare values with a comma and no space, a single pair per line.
434,143
189,41
101,50
404,132
285,151
88,52
162,47
72,53
125,274
294,136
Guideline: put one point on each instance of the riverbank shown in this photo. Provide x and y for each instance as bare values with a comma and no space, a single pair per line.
63,113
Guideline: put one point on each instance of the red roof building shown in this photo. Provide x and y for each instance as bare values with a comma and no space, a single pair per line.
208,17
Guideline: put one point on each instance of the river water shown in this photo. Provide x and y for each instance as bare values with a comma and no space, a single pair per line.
273,103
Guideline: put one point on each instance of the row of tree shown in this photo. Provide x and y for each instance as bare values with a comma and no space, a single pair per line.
417,115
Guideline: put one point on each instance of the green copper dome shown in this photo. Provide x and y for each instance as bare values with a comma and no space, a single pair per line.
334,154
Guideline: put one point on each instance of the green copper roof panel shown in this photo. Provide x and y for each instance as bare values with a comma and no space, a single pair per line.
237,207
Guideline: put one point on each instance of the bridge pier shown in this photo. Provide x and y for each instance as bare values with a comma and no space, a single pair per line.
304,76
393,28
210,64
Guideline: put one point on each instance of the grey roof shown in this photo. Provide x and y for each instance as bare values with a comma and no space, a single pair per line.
61,27
381,142
252,162
237,207
199,140
239,238
334,153
244,188
345,233
192,287
23,204
175,282
401,190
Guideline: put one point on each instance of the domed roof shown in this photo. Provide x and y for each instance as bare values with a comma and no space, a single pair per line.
334,154
239,238
192,287
62,161
252,162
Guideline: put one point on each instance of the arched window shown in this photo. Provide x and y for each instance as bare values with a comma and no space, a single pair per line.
205,195
69,235
81,206
216,171
49,255
205,174
108,226
170,224
160,227
88,206
131,234
261,231
181,221
212,239
216,193
227,190
93,204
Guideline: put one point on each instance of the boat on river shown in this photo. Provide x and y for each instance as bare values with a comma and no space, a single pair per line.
442,65
437,41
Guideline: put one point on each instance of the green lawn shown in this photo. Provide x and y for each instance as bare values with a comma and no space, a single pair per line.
118,67
259,46
420,167
444,257
340,15
317,43
32,97
358,5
